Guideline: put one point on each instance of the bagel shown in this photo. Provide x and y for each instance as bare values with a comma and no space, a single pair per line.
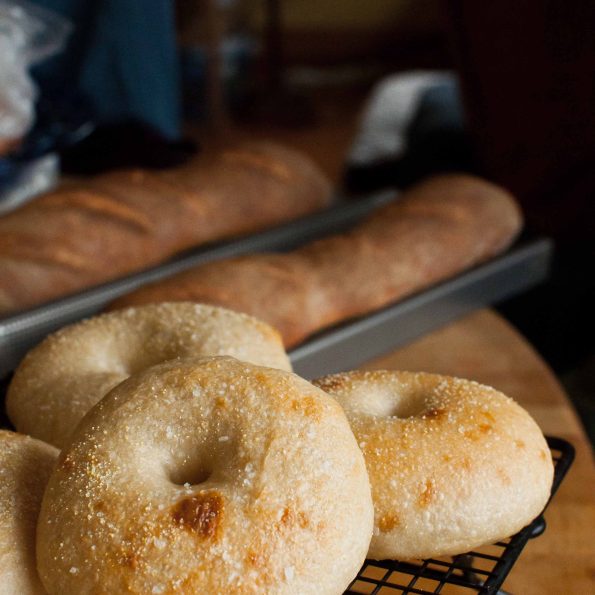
64,376
452,464
25,466
207,476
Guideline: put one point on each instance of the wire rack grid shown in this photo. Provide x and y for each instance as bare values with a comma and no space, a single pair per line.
480,571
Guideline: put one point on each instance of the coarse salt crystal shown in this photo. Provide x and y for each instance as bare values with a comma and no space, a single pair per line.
223,438
159,543
158,589
289,573
73,570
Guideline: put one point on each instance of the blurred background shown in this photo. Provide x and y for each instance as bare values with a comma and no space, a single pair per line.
380,93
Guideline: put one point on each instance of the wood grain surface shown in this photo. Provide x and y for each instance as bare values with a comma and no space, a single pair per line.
486,348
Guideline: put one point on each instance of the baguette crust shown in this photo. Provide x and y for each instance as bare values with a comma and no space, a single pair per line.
437,229
88,233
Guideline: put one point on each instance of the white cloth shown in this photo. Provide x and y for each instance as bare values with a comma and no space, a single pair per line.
388,113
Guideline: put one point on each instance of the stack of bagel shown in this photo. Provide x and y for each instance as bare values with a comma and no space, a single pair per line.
169,448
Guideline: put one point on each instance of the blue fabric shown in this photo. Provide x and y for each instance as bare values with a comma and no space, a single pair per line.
122,57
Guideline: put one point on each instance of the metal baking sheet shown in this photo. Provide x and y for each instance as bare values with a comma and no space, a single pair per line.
345,346
349,345
20,332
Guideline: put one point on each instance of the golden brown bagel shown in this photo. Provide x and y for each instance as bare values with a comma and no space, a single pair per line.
25,466
207,476
64,376
453,464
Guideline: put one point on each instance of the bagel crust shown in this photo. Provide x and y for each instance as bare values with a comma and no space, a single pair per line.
452,464
207,476
25,466
71,370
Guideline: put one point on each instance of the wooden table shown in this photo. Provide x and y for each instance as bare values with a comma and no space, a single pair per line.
484,347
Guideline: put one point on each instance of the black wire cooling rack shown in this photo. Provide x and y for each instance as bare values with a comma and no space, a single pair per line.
480,571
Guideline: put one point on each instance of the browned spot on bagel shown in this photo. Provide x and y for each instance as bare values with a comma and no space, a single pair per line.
543,455
488,416
129,559
519,443
262,377
435,413
290,518
286,517
201,513
220,403
308,406
303,520
503,476
447,458
99,506
388,522
466,463
330,383
256,559
426,495
476,433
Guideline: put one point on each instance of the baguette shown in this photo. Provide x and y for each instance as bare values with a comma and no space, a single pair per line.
88,233
435,230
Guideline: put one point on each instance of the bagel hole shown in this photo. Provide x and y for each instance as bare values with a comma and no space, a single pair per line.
389,403
408,407
190,474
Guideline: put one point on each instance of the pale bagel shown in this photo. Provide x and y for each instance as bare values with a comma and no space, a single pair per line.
64,376
452,464
207,476
25,466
